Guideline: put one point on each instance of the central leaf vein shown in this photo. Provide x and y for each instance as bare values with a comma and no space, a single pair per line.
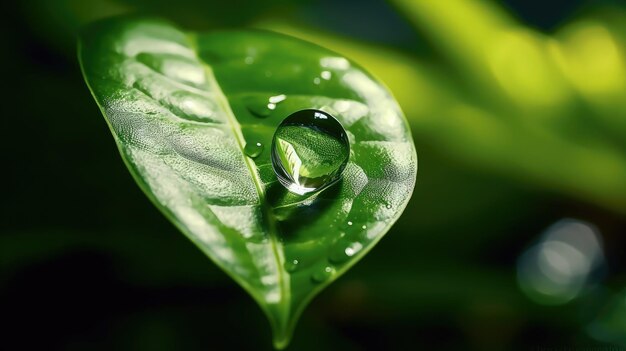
283,279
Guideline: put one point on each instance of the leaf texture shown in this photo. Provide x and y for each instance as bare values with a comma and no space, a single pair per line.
182,106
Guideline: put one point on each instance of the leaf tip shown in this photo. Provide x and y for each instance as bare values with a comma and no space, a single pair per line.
281,341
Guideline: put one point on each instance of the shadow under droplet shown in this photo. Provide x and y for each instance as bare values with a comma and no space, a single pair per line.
295,211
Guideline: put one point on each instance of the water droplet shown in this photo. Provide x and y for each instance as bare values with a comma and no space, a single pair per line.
310,150
349,223
326,75
323,274
353,249
253,149
292,265
258,107
249,60
262,106
364,226
344,250
388,206
316,80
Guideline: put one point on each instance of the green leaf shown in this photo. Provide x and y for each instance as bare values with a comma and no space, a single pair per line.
182,106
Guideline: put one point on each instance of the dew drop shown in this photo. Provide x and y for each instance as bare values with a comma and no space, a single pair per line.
310,150
343,250
349,222
253,149
388,206
262,107
292,265
353,249
364,226
323,274
258,107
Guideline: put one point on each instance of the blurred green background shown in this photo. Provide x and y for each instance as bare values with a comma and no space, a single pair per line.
514,238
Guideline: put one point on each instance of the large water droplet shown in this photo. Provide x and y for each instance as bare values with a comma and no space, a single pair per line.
253,149
310,149
323,274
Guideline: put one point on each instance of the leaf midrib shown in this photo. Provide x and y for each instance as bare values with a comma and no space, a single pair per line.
267,214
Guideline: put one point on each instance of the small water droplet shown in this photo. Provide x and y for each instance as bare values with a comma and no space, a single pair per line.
323,274
292,265
258,107
326,75
316,80
388,206
343,250
349,222
353,249
262,106
249,60
364,226
253,149
310,150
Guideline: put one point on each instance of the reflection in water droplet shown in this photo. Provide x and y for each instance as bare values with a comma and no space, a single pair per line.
326,75
323,274
310,150
292,265
253,149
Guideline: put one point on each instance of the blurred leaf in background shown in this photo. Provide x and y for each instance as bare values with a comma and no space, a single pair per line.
518,109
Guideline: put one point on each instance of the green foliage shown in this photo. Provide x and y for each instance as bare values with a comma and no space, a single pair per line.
183,106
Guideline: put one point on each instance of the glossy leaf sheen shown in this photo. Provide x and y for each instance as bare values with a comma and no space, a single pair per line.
182,106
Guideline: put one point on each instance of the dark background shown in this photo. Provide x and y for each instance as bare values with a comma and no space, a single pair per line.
87,263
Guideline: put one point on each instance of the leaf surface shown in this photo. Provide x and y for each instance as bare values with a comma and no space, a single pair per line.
182,107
